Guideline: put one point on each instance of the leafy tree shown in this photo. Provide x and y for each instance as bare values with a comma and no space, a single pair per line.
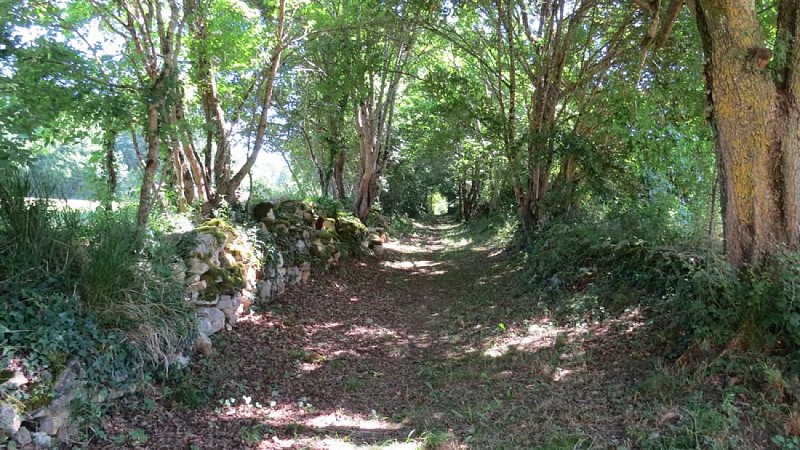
385,48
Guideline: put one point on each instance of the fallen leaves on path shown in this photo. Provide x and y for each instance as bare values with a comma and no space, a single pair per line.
396,353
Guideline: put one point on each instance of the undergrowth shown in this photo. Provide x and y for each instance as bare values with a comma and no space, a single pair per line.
86,287
577,271
730,340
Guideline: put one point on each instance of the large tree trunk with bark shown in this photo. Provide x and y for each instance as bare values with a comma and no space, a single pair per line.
220,181
373,118
338,174
756,121
147,192
369,150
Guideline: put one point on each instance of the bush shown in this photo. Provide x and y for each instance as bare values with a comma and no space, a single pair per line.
597,270
43,331
86,287
133,287
351,233
328,207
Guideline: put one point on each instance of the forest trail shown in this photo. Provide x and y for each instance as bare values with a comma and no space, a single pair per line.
431,346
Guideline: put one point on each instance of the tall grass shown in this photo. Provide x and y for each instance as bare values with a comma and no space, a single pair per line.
126,284
131,286
39,243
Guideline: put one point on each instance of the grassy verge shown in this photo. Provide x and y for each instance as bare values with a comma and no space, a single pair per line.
81,286
585,338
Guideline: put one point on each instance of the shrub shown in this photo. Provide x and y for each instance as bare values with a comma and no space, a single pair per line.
85,287
597,270
132,286
328,207
42,331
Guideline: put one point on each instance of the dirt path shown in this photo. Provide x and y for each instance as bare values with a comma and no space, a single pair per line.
430,346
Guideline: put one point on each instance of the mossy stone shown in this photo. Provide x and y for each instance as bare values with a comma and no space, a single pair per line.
221,230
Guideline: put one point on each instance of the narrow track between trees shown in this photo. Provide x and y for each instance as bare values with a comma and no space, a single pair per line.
433,346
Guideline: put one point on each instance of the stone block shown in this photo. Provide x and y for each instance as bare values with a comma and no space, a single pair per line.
51,424
210,320
228,260
197,266
247,301
197,287
23,436
42,439
10,420
203,344
206,244
265,290
15,381
329,225
228,306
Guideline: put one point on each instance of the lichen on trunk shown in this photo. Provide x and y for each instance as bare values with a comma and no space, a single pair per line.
755,119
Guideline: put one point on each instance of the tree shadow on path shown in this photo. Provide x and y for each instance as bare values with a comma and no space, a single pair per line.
428,347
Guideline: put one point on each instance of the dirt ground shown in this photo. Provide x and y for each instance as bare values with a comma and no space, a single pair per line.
430,347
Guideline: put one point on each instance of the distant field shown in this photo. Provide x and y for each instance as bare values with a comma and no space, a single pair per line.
81,205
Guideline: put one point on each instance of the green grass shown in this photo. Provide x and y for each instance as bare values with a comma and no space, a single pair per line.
352,384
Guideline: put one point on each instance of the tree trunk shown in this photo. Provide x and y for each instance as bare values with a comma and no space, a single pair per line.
755,118
338,175
195,166
146,197
109,144
229,188
368,140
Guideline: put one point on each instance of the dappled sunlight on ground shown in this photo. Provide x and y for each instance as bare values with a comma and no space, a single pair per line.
343,420
535,336
430,342
330,443
422,266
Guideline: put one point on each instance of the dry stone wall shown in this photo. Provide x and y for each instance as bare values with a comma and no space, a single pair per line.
226,272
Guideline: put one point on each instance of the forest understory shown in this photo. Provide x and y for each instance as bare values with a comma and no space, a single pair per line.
439,348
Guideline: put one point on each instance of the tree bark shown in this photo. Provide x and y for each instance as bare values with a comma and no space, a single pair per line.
756,120
146,195
366,186
153,32
229,188
373,118
338,174
110,145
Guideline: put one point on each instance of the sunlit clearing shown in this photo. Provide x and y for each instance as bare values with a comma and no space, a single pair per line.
339,420
404,248
536,336
340,423
438,204
452,243
561,374
411,265
371,332
337,444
